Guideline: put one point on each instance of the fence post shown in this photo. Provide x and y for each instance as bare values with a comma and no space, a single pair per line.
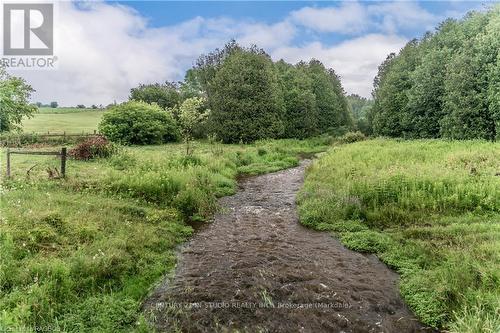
63,161
94,132
8,163
64,135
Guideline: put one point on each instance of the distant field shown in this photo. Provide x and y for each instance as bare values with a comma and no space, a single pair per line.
71,120
45,110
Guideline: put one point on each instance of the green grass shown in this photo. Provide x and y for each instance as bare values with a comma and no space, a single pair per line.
80,254
71,120
48,110
428,208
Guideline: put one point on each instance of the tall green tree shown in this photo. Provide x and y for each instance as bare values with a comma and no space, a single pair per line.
14,101
391,116
301,116
426,95
445,85
466,85
246,99
331,104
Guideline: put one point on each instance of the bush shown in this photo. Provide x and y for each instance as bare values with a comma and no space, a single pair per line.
138,123
351,137
93,147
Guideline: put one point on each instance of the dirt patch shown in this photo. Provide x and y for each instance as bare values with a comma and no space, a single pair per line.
255,268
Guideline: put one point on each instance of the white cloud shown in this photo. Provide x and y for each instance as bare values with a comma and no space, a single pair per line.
394,15
355,60
354,18
348,18
105,49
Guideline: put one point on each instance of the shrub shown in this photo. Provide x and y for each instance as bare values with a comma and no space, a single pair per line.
351,137
138,123
93,147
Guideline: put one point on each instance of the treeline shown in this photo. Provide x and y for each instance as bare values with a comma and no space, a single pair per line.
250,97
446,84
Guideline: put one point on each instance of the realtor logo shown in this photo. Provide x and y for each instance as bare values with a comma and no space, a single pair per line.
28,29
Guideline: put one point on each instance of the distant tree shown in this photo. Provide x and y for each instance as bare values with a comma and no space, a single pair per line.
54,105
80,106
191,87
245,98
94,106
14,101
39,104
138,123
331,104
165,95
301,114
360,108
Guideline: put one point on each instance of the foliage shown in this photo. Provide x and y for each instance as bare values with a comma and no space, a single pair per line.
360,108
445,85
253,98
190,115
93,147
54,105
14,101
80,255
331,104
138,123
301,113
165,95
351,137
245,99
430,209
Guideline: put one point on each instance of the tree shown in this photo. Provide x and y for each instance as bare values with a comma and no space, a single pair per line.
138,123
245,98
360,109
165,95
390,114
466,102
300,117
445,85
190,115
14,101
331,105
54,105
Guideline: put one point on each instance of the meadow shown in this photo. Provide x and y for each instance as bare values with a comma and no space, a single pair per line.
429,209
80,254
58,120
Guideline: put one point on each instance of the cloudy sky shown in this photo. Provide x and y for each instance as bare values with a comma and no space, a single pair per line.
105,48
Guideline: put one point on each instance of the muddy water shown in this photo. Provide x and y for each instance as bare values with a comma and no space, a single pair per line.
255,268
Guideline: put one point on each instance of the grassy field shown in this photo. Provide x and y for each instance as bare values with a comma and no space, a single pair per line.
429,209
79,255
71,120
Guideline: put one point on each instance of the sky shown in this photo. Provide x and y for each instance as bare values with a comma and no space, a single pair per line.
104,48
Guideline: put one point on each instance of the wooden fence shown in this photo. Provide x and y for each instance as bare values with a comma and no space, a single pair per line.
62,154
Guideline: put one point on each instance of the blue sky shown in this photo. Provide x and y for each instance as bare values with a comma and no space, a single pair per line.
107,47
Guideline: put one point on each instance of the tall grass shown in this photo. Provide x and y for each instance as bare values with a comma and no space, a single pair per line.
79,255
430,209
